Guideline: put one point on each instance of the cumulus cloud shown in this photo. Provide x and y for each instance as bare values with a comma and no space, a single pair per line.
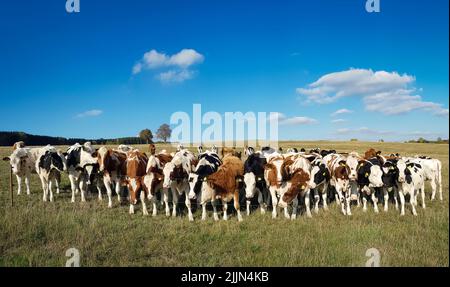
90,113
386,92
179,64
284,120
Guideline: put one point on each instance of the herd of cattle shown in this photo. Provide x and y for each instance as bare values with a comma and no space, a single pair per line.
269,176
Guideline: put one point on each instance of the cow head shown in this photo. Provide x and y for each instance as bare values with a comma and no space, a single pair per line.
370,174
195,184
18,160
298,184
319,174
404,174
352,163
390,173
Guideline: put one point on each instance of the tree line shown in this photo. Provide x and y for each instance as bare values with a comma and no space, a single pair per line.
8,138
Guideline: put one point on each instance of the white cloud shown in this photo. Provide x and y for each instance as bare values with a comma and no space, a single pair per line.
179,64
386,92
90,113
338,121
284,120
175,76
341,111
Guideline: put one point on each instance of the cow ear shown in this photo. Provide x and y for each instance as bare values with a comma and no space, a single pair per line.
95,153
6,158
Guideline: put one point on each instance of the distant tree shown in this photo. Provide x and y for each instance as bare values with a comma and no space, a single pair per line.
439,140
164,132
421,140
353,140
146,135
381,140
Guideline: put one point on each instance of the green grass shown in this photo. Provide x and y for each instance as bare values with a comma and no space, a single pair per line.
34,233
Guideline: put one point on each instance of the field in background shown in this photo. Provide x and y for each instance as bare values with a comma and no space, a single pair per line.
34,233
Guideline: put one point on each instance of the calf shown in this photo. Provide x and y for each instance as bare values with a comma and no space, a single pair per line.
49,165
369,179
154,178
352,162
295,174
208,164
254,181
176,174
136,164
411,180
432,169
112,164
390,180
320,178
274,181
339,179
224,184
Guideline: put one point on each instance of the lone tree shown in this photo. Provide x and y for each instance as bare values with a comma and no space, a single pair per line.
164,132
146,135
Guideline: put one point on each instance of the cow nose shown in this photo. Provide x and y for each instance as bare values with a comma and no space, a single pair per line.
192,195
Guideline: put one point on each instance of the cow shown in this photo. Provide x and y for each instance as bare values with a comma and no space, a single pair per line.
18,145
254,182
82,168
432,169
411,180
208,163
49,165
225,184
136,164
274,181
339,179
154,178
112,164
124,148
369,178
295,174
390,180
352,161
176,174
319,181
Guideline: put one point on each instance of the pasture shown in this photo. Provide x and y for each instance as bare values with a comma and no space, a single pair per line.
34,233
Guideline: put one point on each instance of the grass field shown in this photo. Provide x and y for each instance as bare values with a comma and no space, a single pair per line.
34,233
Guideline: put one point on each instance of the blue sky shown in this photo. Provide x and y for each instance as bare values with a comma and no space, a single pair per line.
72,75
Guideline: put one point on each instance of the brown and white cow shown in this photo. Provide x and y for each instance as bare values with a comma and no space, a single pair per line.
136,164
274,181
295,174
225,184
339,178
112,164
154,178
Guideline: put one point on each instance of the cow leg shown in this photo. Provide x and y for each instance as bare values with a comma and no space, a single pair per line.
248,207
166,200
316,201
131,211
174,202
236,205
144,206
307,204
402,203
375,202
364,199
294,208
396,198
324,199
261,203
422,194
44,188
19,184
117,186
154,203
341,199
214,205
99,190
50,189
204,211
57,181
107,183
274,202
439,176
27,183
187,201
73,186
413,202
225,207
83,187
386,199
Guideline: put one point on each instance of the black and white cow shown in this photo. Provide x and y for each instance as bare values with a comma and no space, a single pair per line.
254,182
82,168
411,180
390,180
49,165
208,163
369,175
320,179
432,169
